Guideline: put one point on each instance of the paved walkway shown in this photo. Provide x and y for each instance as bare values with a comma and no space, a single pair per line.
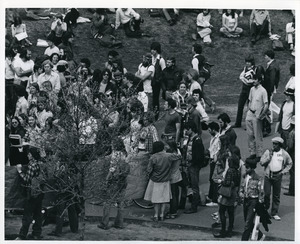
279,230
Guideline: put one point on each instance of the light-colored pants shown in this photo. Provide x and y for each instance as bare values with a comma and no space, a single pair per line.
205,34
255,134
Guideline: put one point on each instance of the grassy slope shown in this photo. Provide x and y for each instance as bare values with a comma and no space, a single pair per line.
227,55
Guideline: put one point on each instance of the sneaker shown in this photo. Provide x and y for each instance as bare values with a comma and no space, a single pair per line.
211,204
276,217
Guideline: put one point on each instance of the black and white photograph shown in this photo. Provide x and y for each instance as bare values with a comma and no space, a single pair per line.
149,124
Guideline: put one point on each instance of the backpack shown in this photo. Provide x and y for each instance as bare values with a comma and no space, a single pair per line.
204,67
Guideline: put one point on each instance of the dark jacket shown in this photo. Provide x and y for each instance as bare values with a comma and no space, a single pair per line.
171,76
271,78
230,133
197,152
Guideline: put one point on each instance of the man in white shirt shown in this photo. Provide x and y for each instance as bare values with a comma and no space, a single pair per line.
49,75
130,20
146,73
23,67
51,47
276,163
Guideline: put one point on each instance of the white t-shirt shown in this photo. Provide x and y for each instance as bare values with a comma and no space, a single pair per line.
287,113
147,83
276,161
18,63
195,85
49,51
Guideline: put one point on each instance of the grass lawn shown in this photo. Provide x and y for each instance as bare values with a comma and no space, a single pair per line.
227,54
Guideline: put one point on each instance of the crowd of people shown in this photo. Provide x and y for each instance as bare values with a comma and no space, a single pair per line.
41,94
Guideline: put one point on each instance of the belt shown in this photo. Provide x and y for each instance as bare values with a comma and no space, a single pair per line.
274,172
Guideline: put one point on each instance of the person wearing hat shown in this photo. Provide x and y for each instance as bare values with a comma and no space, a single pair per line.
287,111
257,109
49,75
276,162
251,192
193,114
291,150
247,79
145,73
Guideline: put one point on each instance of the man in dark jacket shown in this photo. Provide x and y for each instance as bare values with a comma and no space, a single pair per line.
171,76
272,74
195,159
226,128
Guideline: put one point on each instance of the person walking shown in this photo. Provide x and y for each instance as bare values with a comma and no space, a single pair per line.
276,163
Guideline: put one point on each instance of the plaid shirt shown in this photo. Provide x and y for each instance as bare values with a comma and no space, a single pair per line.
152,136
32,171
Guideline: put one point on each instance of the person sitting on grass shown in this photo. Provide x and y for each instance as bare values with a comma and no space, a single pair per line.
159,170
130,20
115,185
204,27
17,28
260,24
290,35
229,24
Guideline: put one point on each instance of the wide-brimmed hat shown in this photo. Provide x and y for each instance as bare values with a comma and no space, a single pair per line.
289,92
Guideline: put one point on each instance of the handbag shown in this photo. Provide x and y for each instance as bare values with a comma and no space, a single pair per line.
225,191
277,45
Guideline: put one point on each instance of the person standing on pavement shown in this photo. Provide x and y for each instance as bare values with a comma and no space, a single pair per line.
287,111
291,150
194,158
159,65
232,180
171,76
276,163
193,114
247,78
173,122
257,108
214,147
226,129
251,192
159,170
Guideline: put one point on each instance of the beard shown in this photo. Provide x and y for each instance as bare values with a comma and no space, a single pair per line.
145,63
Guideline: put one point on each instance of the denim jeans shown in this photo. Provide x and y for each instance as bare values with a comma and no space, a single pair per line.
32,211
275,183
